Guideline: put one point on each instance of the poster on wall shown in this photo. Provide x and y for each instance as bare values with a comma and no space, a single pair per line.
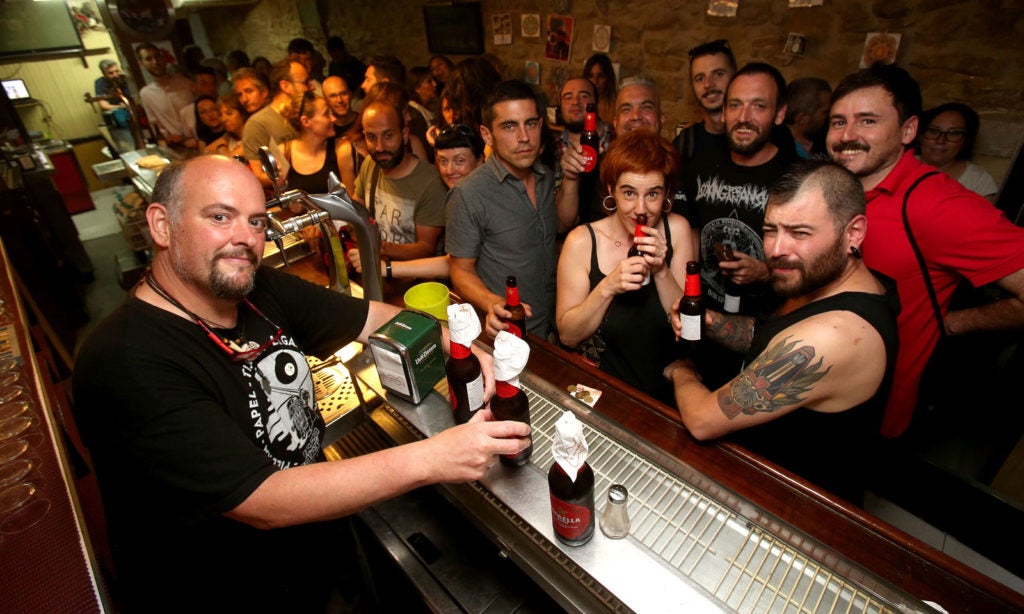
880,47
723,8
530,25
602,38
501,23
559,38
532,74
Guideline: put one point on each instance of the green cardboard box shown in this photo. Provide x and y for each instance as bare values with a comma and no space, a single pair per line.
409,355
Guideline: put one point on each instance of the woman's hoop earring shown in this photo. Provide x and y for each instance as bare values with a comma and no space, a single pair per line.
667,206
604,204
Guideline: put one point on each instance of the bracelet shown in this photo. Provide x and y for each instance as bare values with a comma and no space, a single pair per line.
387,269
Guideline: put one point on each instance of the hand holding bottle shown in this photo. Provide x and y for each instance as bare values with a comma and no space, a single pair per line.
465,452
744,269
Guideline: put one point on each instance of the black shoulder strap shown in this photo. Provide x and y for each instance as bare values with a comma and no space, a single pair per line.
920,257
373,191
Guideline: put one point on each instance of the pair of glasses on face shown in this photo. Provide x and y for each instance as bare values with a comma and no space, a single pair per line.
246,352
462,129
954,135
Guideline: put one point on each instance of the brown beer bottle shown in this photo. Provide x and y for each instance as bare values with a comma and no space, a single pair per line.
590,140
691,306
572,496
465,382
516,323
634,250
510,403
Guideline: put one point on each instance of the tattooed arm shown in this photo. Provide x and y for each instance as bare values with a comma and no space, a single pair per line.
829,362
733,332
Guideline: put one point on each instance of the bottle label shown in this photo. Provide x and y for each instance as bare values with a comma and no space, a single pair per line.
731,304
475,393
691,327
589,158
514,329
570,521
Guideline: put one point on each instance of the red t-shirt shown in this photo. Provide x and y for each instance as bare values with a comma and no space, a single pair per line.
961,235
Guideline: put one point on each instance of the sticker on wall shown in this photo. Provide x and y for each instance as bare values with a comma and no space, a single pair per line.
880,47
722,8
532,73
530,25
559,39
796,4
602,38
502,25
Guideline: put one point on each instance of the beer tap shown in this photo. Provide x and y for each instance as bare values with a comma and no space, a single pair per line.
321,210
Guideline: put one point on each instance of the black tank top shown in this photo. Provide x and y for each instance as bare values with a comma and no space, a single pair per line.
832,450
637,336
316,183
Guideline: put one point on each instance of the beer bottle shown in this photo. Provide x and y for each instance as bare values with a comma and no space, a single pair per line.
634,250
465,379
516,323
590,140
733,293
691,306
571,483
510,402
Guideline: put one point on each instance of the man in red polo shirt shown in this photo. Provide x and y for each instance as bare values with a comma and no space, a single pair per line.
873,120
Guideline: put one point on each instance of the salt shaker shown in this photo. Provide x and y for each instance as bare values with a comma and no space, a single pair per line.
615,516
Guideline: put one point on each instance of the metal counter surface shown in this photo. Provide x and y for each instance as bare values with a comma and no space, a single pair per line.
690,549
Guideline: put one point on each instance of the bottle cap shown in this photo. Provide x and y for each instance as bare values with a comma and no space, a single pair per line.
510,356
463,324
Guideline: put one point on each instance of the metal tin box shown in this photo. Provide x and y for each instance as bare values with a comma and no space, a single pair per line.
409,355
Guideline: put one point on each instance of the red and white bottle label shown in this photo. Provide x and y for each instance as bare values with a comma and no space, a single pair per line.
589,158
570,521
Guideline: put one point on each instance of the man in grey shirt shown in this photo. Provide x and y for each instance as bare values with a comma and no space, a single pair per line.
502,218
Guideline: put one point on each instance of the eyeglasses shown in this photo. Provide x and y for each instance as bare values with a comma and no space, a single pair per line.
462,129
247,351
953,135
714,47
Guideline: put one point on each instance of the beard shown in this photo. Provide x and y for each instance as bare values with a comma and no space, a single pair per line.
814,275
753,146
574,127
393,160
219,283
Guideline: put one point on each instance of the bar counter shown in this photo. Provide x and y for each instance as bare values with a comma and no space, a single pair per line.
48,566
864,563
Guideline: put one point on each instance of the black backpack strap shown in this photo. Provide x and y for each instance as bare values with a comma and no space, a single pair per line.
374,178
920,256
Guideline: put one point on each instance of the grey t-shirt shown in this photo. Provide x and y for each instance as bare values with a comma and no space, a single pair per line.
402,204
490,218
261,127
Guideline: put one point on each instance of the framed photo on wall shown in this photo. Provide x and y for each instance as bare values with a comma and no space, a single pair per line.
455,28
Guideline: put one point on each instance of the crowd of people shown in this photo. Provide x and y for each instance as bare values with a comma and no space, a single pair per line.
831,227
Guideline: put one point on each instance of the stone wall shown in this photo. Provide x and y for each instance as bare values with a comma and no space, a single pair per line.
964,50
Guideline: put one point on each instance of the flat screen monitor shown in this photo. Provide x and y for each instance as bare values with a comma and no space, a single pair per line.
29,27
16,90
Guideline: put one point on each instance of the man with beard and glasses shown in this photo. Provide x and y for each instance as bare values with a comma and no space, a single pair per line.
818,367
197,405
961,236
727,197
403,193
572,187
